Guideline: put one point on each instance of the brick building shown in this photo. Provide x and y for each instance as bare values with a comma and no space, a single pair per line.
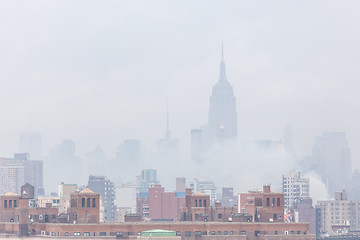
84,207
197,206
186,230
160,205
264,206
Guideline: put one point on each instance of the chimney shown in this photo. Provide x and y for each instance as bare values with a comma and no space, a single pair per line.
266,189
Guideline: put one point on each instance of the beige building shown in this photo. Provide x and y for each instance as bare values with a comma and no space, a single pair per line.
64,191
338,213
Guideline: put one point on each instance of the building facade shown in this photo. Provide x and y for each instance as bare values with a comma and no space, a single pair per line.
263,206
338,213
295,188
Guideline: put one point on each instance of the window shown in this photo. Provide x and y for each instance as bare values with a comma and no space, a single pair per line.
86,234
10,203
66,234
275,216
298,232
243,233
213,233
93,202
278,202
88,202
219,233
5,203
280,216
197,234
204,202
15,204
219,216
196,203
103,234
225,233
82,202
200,203
76,234
273,202
187,234
267,202
118,234
231,232
276,232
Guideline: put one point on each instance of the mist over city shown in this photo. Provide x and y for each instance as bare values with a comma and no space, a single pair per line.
150,112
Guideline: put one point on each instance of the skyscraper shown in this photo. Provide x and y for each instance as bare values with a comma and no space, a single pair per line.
222,111
332,159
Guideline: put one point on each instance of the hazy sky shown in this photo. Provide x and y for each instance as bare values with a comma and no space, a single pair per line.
99,72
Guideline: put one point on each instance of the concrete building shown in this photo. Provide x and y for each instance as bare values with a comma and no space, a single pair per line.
338,213
227,195
264,206
295,188
105,187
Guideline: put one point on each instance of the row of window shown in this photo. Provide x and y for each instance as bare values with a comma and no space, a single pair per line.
88,200
272,202
187,233
11,205
202,203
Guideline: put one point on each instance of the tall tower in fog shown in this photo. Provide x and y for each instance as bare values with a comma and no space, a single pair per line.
222,112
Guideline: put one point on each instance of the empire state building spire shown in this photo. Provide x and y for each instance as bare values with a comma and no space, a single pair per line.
222,76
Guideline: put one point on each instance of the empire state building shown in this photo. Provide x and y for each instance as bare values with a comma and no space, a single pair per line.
222,111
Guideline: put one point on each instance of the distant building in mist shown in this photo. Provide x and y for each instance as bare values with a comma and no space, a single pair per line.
288,139
128,158
295,188
148,178
167,146
19,170
31,142
105,187
332,160
57,165
180,184
197,145
222,110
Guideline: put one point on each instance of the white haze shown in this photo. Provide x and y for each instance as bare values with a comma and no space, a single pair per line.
100,72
